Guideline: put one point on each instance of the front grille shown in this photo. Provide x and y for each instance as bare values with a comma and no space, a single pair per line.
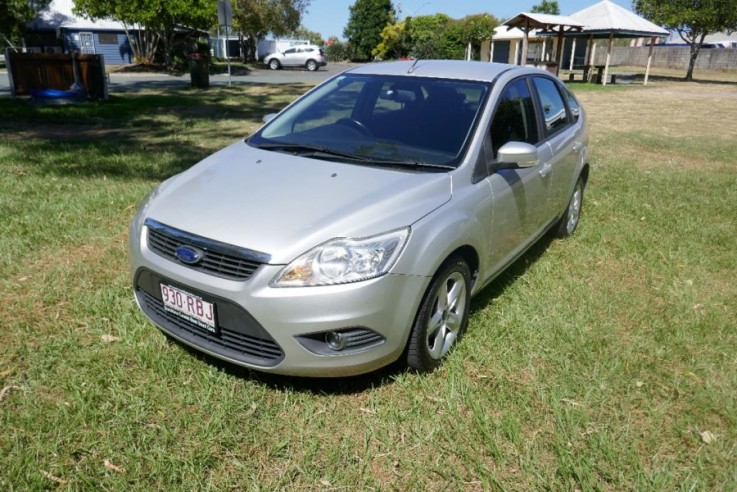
220,259
240,337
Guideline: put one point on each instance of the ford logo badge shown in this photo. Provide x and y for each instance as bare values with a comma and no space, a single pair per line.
189,254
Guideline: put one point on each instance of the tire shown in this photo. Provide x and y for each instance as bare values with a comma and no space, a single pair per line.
569,221
442,317
274,64
312,65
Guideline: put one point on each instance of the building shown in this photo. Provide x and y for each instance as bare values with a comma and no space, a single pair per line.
57,29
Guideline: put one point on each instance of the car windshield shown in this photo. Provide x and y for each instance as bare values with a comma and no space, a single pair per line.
403,120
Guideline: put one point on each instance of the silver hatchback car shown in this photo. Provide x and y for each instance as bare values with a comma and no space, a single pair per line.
353,228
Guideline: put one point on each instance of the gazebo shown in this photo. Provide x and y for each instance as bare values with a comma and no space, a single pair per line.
513,37
561,24
607,20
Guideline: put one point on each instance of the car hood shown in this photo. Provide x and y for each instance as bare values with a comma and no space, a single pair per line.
284,205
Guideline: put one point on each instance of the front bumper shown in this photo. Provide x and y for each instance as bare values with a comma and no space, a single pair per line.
280,330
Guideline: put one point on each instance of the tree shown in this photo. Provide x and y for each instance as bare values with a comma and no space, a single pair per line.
151,22
395,42
367,20
546,7
476,28
692,19
256,18
428,36
15,14
313,37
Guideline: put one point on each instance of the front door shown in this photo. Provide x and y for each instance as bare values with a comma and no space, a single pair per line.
86,43
519,205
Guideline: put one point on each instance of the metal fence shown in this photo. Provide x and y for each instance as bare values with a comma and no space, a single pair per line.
675,57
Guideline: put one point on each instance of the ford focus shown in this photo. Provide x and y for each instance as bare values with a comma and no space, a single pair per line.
352,229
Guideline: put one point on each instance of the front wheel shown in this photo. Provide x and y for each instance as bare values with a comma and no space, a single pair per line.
442,317
274,65
569,222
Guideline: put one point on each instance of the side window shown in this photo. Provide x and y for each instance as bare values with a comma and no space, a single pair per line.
290,51
573,105
514,118
553,107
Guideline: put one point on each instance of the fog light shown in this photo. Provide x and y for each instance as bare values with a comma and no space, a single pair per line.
335,340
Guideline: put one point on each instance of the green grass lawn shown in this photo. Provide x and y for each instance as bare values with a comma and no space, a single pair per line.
603,362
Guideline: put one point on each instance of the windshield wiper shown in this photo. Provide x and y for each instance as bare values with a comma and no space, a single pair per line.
307,150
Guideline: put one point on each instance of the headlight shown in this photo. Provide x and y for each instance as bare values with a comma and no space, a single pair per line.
341,261
141,214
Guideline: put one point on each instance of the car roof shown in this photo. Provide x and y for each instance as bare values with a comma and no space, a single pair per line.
447,69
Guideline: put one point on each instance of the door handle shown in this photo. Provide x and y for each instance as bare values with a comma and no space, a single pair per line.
545,169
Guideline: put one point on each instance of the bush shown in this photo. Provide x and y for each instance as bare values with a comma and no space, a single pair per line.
337,51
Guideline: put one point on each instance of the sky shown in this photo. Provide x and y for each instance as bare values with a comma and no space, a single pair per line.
329,17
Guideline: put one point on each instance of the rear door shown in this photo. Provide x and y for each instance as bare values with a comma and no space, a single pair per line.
561,134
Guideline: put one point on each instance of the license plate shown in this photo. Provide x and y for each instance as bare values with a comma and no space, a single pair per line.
189,306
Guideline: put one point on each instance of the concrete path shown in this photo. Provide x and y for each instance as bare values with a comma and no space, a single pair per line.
125,82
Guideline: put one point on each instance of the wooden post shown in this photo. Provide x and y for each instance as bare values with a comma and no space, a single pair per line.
559,51
573,54
516,52
525,43
544,54
589,58
608,57
649,59
491,52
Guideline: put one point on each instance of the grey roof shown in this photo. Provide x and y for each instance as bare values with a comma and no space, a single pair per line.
59,15
542,21
606,17
447,69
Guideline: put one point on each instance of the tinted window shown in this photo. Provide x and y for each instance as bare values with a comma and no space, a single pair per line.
514,119
409,118
554,110
573,105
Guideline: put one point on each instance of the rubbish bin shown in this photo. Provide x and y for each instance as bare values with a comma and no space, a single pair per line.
199,70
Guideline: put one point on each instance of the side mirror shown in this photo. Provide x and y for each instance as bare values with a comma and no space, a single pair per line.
520,153
268,117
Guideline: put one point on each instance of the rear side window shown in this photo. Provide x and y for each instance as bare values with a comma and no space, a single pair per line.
553,107
514,119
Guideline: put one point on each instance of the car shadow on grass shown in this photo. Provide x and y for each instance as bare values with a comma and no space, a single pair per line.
386,375
347,385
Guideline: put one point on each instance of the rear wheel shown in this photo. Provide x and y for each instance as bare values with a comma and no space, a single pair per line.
442,317
569,222
274,64
312,65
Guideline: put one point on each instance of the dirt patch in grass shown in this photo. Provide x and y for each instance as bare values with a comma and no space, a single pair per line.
69,132
668,108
